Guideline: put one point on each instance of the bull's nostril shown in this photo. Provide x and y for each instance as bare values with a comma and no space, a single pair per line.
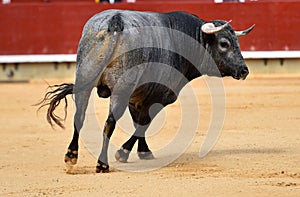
244,71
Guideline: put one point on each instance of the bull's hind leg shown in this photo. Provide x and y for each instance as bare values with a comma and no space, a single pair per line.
81,102
109,127
117,108
72,153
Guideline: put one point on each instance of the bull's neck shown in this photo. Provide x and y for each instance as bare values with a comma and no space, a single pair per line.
192,72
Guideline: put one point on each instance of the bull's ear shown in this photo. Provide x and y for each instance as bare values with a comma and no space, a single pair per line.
244,32
210,28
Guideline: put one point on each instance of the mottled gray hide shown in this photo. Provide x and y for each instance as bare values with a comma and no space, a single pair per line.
110,34
139,59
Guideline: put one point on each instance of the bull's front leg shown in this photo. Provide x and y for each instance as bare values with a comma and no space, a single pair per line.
142,123
123,153
144,152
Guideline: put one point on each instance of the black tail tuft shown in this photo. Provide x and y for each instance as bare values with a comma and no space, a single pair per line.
53,98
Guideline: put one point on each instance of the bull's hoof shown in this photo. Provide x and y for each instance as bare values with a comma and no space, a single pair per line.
146,155
71,157
122,155
102,167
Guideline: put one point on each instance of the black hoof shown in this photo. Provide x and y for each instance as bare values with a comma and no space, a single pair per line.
122,155
71,157
102,167
145,155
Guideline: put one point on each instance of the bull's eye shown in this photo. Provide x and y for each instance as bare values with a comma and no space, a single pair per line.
224,44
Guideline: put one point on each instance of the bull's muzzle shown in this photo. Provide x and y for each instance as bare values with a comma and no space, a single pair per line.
241,73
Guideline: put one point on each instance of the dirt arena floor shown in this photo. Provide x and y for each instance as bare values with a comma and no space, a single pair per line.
257,154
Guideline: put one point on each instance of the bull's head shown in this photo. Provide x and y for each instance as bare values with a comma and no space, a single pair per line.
221,41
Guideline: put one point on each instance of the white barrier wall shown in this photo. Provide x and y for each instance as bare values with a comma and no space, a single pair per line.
29,67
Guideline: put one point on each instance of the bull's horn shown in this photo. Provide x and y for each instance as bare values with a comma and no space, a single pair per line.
244,32
210,28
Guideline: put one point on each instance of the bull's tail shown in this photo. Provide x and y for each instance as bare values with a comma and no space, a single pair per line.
116,24
53,98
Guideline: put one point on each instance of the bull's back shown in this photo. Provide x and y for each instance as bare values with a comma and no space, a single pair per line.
112,33
121,19
102,29
124,19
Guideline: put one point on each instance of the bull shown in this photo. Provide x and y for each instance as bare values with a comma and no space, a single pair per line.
114,45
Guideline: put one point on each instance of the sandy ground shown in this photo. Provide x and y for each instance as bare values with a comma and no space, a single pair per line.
258,152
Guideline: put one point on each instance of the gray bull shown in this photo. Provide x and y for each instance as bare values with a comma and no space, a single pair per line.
139,59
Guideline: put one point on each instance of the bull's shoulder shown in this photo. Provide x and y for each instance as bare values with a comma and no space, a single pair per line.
184,22
185,17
